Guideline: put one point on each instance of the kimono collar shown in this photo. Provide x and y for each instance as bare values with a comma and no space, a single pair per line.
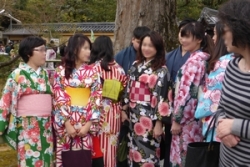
26,67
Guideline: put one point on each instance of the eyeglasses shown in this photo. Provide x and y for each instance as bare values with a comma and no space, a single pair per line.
40,50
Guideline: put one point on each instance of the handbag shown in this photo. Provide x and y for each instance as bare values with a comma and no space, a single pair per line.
112,89
76,158
204,154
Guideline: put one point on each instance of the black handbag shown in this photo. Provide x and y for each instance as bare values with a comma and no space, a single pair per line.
76,158
204,154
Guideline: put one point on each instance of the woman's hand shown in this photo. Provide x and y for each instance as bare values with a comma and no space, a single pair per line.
230,140
71,131
224,127
84,129
157,132
176,128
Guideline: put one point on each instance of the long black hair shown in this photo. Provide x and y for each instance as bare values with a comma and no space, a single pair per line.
220,48
102,49
73,48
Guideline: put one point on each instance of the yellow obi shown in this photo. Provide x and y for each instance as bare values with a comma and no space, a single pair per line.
79,96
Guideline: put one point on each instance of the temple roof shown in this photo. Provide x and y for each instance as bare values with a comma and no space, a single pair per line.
31,29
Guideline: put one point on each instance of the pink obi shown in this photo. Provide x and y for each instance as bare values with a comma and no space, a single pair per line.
139,92
34,105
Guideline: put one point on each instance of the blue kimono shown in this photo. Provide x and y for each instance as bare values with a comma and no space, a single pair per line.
175,60
126,57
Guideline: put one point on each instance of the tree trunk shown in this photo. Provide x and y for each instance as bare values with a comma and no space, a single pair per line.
158,15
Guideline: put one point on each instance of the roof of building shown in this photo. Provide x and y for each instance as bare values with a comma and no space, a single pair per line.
31,29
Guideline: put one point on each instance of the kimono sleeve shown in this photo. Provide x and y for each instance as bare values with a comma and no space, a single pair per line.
159,99
94,105
61,100
187,90
6,103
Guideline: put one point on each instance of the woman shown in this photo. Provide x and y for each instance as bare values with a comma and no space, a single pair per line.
233,126
209,101
77,99
185,128
26,105
103,58
146,101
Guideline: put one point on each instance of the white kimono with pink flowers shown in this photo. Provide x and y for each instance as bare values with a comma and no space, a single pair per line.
146,95
189,78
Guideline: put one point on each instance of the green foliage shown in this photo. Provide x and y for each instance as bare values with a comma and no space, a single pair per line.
192,8
5,71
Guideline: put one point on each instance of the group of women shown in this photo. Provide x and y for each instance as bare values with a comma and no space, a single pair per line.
86,116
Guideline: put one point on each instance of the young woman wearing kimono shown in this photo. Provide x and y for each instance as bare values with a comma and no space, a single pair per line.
77,90
185,128
26,106
145,99
102,58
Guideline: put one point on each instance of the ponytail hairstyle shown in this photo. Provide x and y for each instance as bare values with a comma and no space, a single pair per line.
102,49
197,30
75,43
220,48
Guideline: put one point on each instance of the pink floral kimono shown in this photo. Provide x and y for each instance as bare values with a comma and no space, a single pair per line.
189,78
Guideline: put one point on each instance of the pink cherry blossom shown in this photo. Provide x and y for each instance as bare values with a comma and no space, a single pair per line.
132,104
163,109
153,102
148,165
130,154
220,76
146,122
152,80
144,78
21,79
137,156
139,129
224,63
215,96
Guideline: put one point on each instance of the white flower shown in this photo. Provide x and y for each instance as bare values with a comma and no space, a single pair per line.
161,74
36,154
159,83
88,80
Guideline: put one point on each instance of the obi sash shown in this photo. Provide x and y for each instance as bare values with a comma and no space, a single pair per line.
35,105
78,96
139,92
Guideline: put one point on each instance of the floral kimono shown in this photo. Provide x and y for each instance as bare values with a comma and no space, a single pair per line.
78,115
110,121
209,101
146,95
31,136
189,78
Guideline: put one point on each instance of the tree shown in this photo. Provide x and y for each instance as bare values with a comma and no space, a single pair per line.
158,15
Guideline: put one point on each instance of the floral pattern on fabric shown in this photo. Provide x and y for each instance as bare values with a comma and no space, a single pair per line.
84,77
209,102
144,148
110,121
189,78
31,136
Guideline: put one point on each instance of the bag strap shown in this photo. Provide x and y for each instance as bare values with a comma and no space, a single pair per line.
71,143
212,123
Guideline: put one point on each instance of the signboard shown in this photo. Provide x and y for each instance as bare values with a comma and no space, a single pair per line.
56,41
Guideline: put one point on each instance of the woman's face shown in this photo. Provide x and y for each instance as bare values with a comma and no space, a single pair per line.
84,53
228,40
215,36
148,49
38,57
189,43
